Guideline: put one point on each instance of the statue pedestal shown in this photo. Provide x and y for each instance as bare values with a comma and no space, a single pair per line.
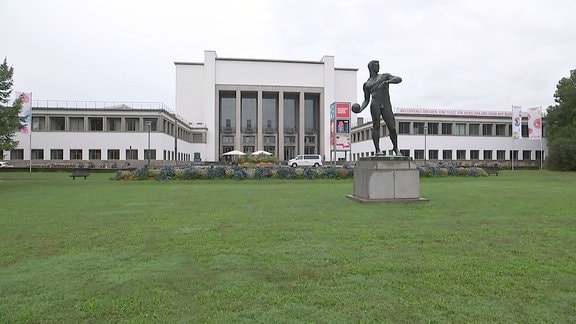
386,178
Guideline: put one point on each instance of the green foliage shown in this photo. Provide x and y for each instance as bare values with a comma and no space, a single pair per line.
284,172
9,120
191,173
261,173
167,172
330,173
216,172
309,173
561,123
239,173
562,154
447,169
141,172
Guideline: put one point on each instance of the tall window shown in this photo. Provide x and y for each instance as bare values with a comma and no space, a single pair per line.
270,111
418,154
131,154
57,123
526,155
291,112
153,124
151,153
433,128
56,154
38,123
76,124
460,129
95,154
474,154
114,124
113,154
500,129
17,154
474,129
132,124
311,112
75,154
403,128
248,111
461,154
418,128
37,154
487,129
228,111
96,123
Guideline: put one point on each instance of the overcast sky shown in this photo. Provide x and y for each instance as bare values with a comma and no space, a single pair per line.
457,54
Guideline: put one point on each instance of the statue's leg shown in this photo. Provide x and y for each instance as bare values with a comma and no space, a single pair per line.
390,121
375,128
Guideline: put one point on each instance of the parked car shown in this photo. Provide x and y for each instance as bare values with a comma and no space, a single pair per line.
314,160
4,164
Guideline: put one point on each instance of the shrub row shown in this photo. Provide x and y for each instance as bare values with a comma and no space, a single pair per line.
277,172
451,170
233,172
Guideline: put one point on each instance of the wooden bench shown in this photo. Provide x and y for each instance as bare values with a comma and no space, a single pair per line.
80,173
492,170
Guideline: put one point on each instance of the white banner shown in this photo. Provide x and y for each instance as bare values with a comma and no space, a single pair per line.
26,111
535,123
516,122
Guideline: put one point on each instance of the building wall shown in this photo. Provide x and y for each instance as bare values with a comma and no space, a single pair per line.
362,144
205,80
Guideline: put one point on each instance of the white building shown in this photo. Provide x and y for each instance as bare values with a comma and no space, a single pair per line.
466,136
280,106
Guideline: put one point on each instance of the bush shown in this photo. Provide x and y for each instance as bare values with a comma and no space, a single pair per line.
216,172
141,172
309,173
239,173
191,173
167,172
330,173
562,154
284,172
261,173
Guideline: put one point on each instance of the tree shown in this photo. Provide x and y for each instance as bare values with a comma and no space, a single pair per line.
561,121
10,120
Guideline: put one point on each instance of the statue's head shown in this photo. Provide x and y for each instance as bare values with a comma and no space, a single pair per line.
374,66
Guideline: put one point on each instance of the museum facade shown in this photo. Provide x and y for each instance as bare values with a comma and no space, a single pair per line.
279,106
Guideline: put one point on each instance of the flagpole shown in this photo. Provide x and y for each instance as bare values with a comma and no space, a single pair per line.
541,145
30,133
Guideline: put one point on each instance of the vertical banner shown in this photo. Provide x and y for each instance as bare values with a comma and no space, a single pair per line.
516,122
535,123
26,111
340,125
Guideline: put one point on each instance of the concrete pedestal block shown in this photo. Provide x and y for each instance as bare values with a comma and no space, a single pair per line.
386,179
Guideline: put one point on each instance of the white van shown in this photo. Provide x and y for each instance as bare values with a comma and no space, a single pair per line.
314,160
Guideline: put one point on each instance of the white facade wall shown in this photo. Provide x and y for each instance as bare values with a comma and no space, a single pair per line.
196,84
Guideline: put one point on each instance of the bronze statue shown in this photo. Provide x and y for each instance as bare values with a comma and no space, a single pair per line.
377,86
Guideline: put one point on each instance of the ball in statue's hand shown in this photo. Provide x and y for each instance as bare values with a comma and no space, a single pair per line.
356,108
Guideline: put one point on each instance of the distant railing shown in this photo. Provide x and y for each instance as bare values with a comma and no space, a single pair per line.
78,104
100,104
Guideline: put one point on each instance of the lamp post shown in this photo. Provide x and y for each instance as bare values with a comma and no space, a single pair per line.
425,145
149,124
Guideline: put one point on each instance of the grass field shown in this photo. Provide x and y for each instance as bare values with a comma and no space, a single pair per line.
486,249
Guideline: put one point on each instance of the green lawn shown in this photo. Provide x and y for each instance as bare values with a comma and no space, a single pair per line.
486,249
